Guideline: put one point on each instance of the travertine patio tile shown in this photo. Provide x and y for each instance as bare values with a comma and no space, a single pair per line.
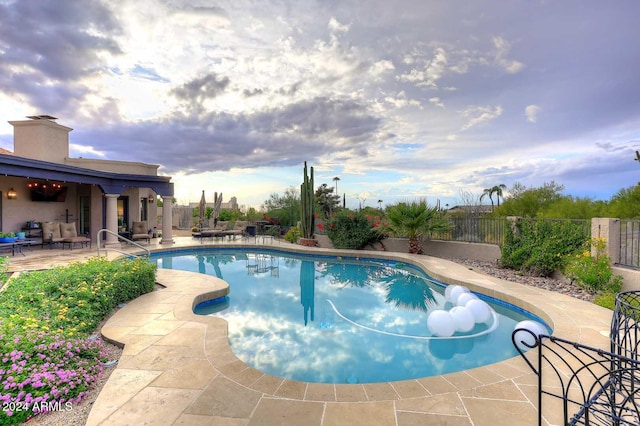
158,327
449,404
350,393
485,375
504,390
157,358
153,406
380,391
380,413
422,419
248,376
195,420
133,319
182,336
462,380
320,392
409,389
187,373
500,413
283,412
231,369
136,343
122,385
292,389
225,398
267,384
437,385
117,333
156,308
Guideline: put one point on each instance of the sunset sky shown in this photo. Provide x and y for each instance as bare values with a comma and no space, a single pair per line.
400,100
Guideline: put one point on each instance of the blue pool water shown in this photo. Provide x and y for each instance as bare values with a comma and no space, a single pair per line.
333,320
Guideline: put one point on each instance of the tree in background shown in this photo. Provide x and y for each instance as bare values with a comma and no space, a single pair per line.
626,203
496,190
414,219
286,207
327,200
529,202
568,207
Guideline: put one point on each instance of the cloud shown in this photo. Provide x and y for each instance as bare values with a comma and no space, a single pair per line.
430,73
531,112
477,115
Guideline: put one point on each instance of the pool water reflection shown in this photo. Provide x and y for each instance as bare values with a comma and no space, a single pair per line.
332,320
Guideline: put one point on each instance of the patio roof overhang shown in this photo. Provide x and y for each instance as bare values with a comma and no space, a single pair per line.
109,182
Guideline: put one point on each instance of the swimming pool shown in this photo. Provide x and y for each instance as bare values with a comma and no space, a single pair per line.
331,320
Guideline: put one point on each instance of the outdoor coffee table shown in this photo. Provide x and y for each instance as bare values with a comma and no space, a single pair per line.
16,246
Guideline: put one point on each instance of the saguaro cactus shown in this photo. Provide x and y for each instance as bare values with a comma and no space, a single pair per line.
307,203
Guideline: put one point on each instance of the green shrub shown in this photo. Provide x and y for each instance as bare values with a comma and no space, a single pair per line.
593,273
351,230
293,234
539,247
606,300
46,356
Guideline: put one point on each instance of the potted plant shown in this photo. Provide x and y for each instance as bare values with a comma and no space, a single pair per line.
8,237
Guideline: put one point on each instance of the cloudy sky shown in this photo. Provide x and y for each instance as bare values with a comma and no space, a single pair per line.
400,100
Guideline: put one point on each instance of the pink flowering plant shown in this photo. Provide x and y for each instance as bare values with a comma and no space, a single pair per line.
47,356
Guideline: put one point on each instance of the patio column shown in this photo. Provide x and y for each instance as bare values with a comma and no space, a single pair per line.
112,219
167,222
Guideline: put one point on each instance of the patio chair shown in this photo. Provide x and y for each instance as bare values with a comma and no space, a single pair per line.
140,231
51,234
70,236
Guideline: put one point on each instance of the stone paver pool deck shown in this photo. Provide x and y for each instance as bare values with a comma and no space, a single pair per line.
177,367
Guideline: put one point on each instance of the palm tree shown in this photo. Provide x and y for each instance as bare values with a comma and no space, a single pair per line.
336,179
497,189
414,220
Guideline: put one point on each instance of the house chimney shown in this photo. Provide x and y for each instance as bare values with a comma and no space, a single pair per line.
41,138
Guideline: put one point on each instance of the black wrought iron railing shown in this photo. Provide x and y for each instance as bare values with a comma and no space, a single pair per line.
593,386
475,229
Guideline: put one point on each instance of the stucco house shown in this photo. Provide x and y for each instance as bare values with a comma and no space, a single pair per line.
39,182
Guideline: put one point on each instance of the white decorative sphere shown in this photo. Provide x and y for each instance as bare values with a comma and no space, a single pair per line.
447,291
440,323
527,339
462,319
456,292
480,309
464,298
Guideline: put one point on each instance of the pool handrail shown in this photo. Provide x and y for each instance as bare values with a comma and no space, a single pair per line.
120,238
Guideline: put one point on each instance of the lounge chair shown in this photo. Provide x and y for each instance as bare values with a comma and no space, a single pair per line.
140,231
217,231
239,228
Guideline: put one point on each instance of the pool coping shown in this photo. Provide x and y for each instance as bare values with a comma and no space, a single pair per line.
164,339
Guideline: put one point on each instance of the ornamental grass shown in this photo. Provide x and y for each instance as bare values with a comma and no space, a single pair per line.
48,357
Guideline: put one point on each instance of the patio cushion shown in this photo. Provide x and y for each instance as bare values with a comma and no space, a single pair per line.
51,230
139,227
68,230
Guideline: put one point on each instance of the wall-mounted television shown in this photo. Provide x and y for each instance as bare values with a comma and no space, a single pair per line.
52,193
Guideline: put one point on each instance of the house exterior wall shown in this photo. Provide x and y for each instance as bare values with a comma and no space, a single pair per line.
15,213
41,140
45,140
